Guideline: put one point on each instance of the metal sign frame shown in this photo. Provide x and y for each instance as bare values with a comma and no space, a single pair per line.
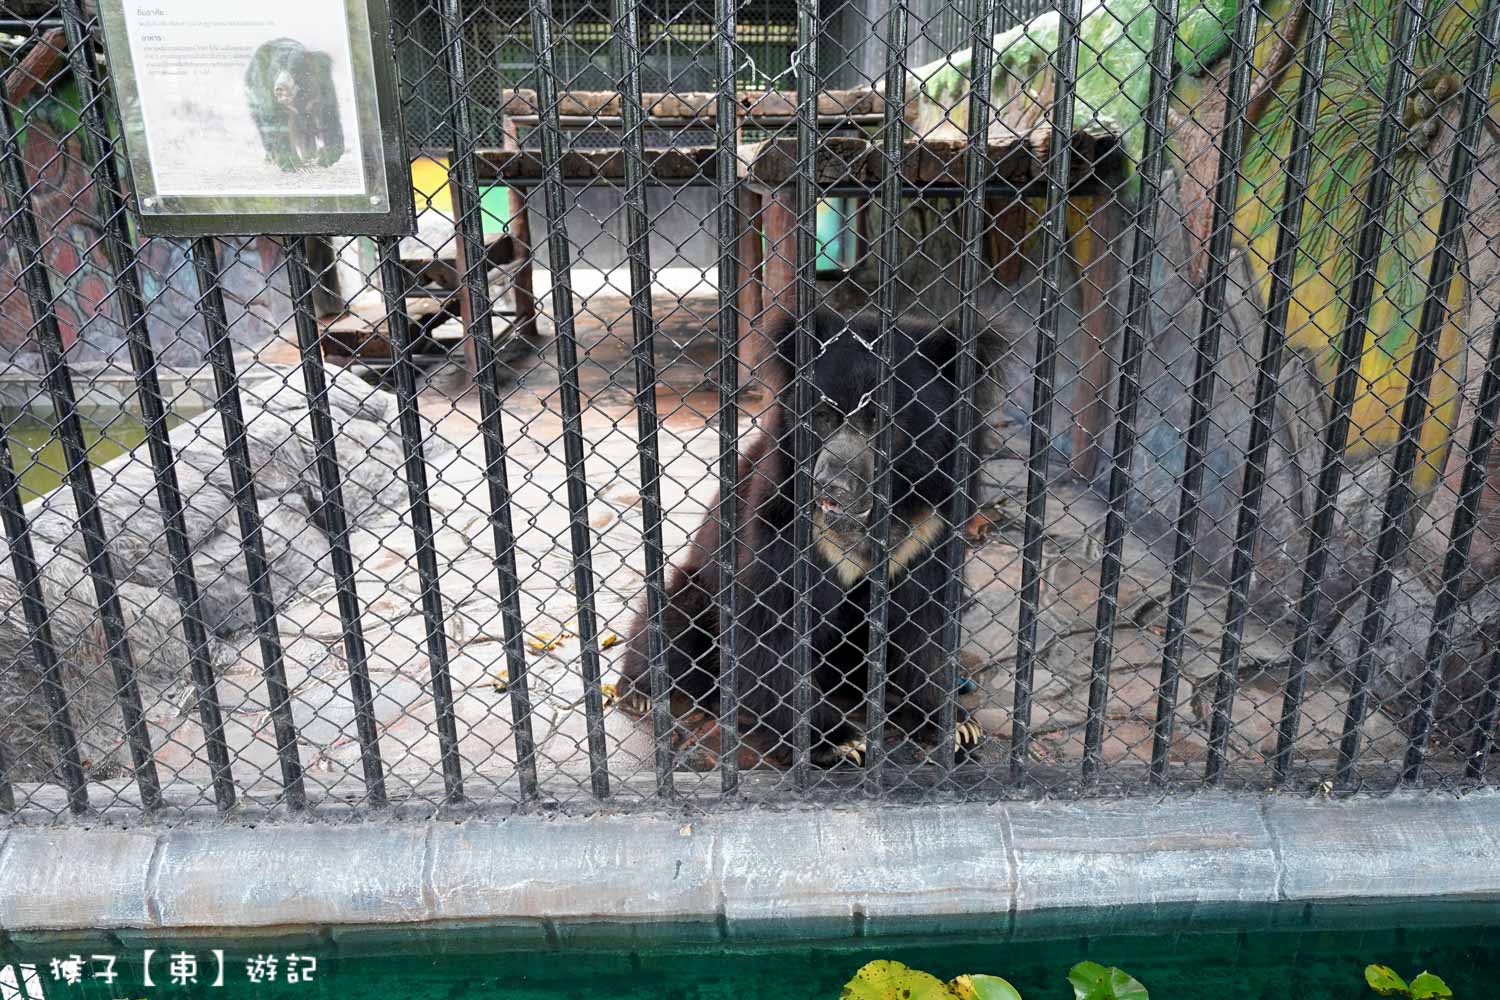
382,208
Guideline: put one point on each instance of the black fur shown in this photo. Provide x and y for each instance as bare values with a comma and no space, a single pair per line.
924,450
292,98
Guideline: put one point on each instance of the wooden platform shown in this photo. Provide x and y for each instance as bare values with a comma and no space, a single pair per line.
766,106
848,163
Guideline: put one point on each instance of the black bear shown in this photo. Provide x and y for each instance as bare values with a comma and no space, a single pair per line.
844,375
292,98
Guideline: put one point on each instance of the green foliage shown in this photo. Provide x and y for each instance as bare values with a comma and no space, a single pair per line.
1092,981
1114,45
981,987
1384,980
886,980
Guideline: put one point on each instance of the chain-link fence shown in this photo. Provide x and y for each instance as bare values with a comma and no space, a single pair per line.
764,412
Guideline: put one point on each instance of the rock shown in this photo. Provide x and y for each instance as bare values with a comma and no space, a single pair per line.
280,444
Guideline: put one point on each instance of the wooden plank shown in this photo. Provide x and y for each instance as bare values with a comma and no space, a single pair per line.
1096,225
663,166
748,251
523,289
771,163
700,105
1016,159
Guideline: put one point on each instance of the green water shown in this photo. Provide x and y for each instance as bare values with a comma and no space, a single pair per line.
37,455
1283,954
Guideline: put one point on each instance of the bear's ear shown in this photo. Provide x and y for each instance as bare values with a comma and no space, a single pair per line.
990,350
778,365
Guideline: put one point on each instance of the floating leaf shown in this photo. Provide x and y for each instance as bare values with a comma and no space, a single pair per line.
980,987
886,980
1383,980
1092,981
1426,986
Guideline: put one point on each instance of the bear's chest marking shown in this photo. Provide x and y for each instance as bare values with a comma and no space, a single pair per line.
848,553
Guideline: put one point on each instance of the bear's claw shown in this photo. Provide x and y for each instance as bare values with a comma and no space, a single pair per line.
852,751
634,704
967,734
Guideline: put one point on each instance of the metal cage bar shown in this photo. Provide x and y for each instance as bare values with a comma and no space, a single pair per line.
1399,498
332,514
43,649
727,186
1127,395
99,152
1043,372
210,306
627,69
1483,737
463,179
559,258
806,292
1456,561
58,380
898,20
1268,371
1205,373
972,227
7,787
1371,233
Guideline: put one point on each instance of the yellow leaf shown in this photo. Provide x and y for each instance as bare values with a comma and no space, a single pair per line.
545,642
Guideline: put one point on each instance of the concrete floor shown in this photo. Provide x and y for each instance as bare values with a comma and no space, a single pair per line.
395,631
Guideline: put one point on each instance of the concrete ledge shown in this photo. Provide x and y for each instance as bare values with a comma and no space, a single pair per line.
754,873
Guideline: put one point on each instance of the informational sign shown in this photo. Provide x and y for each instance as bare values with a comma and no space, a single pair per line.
275,116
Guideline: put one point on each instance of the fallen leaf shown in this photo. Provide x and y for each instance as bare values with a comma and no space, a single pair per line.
610,639
545,642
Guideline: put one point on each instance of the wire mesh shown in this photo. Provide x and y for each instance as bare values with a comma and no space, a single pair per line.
766,411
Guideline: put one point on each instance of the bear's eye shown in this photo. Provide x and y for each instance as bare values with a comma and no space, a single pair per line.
824,420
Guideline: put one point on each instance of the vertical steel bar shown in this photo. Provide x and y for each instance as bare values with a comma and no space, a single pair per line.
464,179
1456,562
1267,379
560,262
1400,499
335,521
99,153
972,227
58,379
237,453
1482,738
627,53
1054,253
1268,374
898,21
726,181
1205,373
7,788
1127,395
395,283
806,289
1390,133
43,650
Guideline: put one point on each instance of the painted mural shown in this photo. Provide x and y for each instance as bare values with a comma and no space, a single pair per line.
53,152
1115,38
